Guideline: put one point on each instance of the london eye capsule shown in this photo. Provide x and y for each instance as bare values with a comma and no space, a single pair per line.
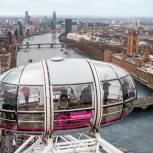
70,95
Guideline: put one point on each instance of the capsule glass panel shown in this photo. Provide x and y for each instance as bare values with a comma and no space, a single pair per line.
8,105
129,94
69,71
127,107
111,92
32,75
73,106
30,108
14,76
128,87
30,98
5,74
112,101
105,72
30,122
111,113
119,71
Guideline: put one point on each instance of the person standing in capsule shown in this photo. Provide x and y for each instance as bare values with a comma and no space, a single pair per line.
26,93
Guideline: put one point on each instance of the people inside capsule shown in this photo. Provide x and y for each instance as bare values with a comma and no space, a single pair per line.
125,86
63,90
9,103
128,88
63,102
71,96
106,91
26,93
86,96
125,89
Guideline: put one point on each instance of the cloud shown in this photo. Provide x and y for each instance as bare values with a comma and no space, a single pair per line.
78,7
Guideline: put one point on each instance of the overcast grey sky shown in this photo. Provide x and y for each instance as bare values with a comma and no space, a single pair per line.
78,7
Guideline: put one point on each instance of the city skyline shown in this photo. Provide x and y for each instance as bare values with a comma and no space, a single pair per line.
109,8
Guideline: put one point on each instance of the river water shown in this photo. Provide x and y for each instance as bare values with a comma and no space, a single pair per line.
134,133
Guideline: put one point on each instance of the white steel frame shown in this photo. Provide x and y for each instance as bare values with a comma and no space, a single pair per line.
68,144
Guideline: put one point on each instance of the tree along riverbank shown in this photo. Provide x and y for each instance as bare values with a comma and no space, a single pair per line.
13,50
94,49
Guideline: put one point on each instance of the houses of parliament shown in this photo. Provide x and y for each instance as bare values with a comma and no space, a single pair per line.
135,60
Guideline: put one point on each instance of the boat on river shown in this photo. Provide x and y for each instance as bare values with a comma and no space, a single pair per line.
65,52
30,60
26,49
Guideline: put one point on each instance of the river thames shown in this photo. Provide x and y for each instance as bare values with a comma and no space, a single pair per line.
134,132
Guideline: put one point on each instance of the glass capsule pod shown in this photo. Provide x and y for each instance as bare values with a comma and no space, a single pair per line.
70,95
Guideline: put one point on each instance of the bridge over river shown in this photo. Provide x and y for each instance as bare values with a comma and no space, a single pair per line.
143,102
42,44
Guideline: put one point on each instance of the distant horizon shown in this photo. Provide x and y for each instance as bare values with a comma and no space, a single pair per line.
96,8
89,16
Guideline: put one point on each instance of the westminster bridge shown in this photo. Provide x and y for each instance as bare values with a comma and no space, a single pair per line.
42,44
143,102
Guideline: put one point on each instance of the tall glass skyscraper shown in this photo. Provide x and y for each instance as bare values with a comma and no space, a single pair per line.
26,17
68,26
54,21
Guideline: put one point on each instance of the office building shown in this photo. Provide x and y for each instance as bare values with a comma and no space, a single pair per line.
16,29
54,21
26,17
68,26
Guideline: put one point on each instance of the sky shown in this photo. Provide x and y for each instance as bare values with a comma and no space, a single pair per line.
102,8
